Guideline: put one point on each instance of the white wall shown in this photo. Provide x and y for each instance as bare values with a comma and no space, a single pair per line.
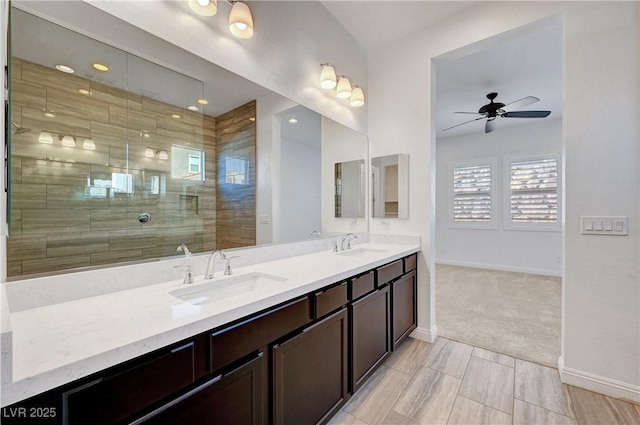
300,179
601,307
497,248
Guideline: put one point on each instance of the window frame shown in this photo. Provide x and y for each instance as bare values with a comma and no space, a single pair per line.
492,224
508,224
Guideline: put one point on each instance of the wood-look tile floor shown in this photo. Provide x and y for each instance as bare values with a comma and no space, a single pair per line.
452,383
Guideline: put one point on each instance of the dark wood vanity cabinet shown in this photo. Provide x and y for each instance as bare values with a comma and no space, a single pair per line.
295,363
370,334
310,372
232,398
405,312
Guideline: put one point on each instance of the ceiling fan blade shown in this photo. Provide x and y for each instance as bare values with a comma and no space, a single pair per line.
489,126
526,114
462,123
474,113
520,103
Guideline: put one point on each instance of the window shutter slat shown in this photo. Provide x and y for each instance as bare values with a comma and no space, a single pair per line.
472,194
534,191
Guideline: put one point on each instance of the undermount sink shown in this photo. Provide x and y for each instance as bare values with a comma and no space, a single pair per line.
225,287
360,251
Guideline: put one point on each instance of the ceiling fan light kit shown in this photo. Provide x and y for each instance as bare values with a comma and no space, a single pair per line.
493,110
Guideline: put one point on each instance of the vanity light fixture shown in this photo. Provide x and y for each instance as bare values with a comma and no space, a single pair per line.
357,97
65,68
84,91
253,119
149,153
343,91
69,141
49,115
176,116
46,138
327,76
240,20
204,7
100,67
163,155
89,145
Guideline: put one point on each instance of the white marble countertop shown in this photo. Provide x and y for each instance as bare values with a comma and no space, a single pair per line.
59,343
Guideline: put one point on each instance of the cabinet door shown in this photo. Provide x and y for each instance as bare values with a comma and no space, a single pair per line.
235,398
403,294
310,373
370,335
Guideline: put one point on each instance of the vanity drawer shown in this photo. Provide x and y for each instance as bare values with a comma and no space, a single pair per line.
410,263
362,285
330,299
230,344
389,272
111,399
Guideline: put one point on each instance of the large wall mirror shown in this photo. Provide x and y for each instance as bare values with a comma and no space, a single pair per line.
159,147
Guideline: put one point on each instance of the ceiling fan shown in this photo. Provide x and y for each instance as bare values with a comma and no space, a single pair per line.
492,110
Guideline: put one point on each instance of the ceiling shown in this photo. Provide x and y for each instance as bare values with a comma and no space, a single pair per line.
526,63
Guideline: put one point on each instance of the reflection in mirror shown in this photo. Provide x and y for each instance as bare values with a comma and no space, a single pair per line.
350,189
179,148
390,186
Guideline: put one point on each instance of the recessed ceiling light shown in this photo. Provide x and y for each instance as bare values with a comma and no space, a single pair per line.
203,101
65,68
192,108
49,114
293,121
176,116
84,91
101,67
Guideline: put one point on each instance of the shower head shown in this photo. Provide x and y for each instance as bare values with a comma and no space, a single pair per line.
20,130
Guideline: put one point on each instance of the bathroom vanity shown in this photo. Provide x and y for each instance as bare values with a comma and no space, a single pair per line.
296,357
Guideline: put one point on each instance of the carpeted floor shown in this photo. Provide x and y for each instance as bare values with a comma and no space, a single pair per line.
511,313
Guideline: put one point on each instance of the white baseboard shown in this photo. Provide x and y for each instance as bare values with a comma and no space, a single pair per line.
428,335
500,267
598,384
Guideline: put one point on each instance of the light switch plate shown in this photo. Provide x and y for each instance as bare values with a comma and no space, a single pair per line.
604,225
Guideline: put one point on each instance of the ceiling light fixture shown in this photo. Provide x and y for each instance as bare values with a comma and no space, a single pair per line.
293,121
204,7
252,119
100,67
344,88
65,68
149,153
193,108
240,20
69,141
203,101
89,145
327,76
46,138
357,97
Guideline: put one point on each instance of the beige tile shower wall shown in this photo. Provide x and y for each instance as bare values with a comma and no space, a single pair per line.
60,217
236,203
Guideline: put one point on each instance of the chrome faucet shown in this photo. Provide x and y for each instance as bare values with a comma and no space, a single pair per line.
227,267
183,248
188,277
347,239
316,234
211,263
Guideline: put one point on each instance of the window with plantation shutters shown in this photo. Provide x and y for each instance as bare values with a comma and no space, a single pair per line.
533,192
472,194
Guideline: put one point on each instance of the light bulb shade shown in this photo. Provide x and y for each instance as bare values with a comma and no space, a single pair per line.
344,88
241,21
204,7
163,155
149,153
328,77
357,97
45,138
89,144
69,141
